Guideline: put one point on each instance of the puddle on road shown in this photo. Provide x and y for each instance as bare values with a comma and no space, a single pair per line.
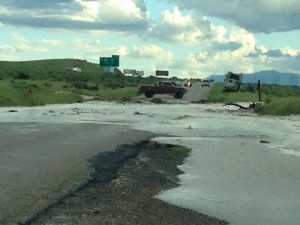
238,180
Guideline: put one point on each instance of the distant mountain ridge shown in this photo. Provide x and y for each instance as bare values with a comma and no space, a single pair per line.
266,77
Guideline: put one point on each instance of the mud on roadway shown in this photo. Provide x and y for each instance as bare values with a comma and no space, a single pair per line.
123,188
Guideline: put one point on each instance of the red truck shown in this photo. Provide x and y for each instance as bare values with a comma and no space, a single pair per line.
163,87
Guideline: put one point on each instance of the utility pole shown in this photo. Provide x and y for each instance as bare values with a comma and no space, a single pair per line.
259,93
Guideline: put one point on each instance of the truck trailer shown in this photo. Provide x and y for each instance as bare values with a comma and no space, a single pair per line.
232,82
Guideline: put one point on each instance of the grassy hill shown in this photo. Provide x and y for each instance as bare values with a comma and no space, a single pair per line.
49,81
55,69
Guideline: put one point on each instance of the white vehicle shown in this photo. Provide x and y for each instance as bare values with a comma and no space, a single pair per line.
205,82
232,81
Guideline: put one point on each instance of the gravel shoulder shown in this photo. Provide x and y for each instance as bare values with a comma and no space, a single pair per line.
123,189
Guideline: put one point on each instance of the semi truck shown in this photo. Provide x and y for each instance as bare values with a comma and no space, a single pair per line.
232,82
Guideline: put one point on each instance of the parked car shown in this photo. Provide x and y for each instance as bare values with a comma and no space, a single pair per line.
205,83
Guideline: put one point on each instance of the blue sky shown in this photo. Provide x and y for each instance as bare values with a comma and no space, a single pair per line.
194,38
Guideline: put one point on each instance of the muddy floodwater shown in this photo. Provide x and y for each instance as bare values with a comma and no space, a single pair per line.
243,168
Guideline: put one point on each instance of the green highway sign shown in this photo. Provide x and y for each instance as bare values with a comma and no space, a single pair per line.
113,61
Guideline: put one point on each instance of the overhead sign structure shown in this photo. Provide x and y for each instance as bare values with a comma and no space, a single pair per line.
162,73
113,61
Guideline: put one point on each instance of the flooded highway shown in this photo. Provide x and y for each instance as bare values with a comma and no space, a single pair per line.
243,167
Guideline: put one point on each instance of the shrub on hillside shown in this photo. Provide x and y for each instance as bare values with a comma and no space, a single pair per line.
251,89
22,76
85,86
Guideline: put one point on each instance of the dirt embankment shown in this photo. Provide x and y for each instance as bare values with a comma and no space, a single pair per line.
121,192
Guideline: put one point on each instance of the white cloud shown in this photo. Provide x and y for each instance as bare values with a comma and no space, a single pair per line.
116,11
151,52
84,44
224,51
116,50
90,11
51,42
184,29
281,59
205,64
290,52
245,38
175,27
19,38
6,48
113,15
254,15
21,48
31,49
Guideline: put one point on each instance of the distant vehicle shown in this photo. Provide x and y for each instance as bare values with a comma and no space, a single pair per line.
232,82
187,84
163,87
205,83
75,69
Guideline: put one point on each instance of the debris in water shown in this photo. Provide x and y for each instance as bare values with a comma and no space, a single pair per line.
264,142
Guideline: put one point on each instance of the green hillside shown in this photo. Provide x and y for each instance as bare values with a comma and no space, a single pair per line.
55,69
49,81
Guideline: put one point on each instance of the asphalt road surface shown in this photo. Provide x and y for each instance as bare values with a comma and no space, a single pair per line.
39,163
197,92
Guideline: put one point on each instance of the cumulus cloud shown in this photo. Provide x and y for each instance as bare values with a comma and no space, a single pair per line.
116,50
151,51
209,62
281,59
83,44
254,15
206,63
7,49
51,42
216,49
21,48
274,53
234,50
175,27
126,15
22,44
185,29
19,38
